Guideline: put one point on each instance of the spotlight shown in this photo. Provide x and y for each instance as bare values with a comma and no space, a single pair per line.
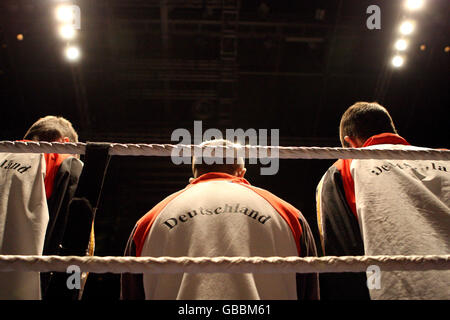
67,32
72,53
20,37
64,13
413,4
447,49
407,27
401,44
423,47
397,61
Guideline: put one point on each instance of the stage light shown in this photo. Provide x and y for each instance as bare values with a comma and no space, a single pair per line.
413,4
20,37
401,44
72,53
67,32
64,13
447,49
423,47
397,61
407,27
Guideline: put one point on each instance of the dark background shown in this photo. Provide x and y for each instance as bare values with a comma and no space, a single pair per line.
149,67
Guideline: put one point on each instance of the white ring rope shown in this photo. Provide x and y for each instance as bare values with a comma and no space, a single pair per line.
164,150
223,264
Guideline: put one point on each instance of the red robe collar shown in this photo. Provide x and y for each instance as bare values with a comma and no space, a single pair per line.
385,138
214,176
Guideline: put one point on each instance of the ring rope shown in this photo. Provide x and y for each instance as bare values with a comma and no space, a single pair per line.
223,264
164,150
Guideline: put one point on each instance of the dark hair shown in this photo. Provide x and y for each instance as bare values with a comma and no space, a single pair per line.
51,128
363,120
218,164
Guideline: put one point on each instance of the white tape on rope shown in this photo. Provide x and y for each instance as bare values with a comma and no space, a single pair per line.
165,150
223,264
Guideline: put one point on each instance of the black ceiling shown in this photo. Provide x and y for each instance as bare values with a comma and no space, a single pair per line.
149,67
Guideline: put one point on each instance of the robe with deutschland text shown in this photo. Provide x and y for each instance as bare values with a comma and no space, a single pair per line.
34,193
221,215
385,207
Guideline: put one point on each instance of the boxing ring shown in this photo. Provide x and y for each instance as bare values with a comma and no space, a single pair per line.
326,264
